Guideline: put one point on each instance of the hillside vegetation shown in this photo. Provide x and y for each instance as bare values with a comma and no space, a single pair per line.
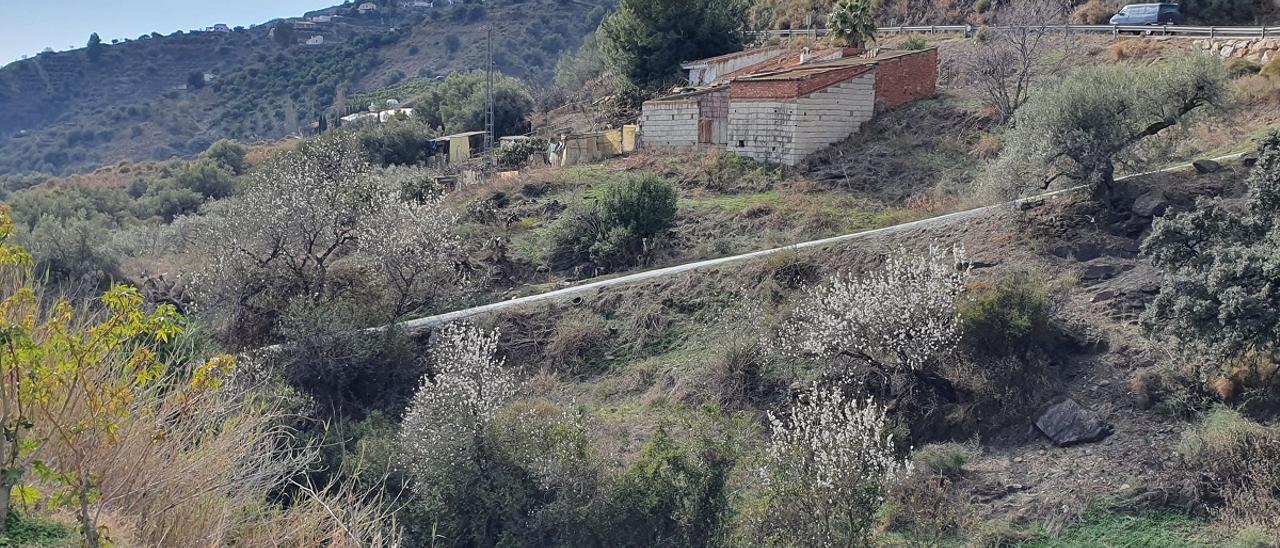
148,99
1095,367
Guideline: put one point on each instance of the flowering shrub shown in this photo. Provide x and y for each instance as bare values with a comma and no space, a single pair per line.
453,406
901,317
321,225
827,467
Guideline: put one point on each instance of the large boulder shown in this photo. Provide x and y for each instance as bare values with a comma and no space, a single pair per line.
1150,204
1068,423
1206,166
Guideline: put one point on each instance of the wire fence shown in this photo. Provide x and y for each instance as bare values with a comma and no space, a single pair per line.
1114,30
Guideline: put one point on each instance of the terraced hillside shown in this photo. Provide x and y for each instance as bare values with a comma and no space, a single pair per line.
163,96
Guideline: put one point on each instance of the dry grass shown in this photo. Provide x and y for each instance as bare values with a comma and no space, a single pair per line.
1258,90
1093,12
196,469
989,146
579,340
1238,460
1137,49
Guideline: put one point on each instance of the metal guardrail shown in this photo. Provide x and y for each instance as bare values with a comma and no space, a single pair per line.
1114,30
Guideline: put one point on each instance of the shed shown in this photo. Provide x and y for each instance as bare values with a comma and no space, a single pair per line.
787,115
459,146
689,120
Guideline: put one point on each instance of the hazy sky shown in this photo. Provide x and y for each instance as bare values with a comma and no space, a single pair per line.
28,26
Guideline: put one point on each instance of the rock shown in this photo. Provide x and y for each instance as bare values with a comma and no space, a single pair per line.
1103,296
1017,459
1086,252
1150,204
1226,51
1206,166
1250,159
1068,423
1096,272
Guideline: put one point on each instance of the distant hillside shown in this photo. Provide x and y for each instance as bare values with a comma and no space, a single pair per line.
161,96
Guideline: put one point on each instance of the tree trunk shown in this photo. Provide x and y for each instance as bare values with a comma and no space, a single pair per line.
1103,183
87,526
5,491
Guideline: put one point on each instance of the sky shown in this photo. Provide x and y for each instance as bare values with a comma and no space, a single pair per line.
29,26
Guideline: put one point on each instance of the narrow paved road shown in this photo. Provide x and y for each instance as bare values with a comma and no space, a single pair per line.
429,322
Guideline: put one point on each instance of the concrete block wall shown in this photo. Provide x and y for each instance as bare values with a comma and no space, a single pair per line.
833,114
669,124
762,129
787,131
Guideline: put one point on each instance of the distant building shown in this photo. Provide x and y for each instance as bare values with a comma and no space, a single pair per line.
316,40
220,27
321,19
367,7
784,114
304,25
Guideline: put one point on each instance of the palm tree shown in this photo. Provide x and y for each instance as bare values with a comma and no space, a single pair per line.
852,23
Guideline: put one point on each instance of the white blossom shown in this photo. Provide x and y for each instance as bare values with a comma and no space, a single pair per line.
827,466
900,317
453,406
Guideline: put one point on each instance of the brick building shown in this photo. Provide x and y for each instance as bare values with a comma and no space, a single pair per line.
785,115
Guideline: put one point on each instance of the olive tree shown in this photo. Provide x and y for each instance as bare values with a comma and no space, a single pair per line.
1077,131
1220,268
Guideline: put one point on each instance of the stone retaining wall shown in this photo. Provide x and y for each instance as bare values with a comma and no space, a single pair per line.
1257,50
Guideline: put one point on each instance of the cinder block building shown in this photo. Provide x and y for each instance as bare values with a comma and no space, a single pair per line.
785,115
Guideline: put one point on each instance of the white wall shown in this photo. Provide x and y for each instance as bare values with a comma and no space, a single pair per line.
669,124
786,131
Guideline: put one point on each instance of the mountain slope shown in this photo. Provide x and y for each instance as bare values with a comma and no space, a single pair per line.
162,96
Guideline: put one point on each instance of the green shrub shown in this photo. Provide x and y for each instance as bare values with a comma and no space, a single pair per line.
75,250
674,494
915,42
1010,318
516,155
1272,70
207,179
982,6
397,142
1239,68
227,153
618,228
165,199
944,459
729,173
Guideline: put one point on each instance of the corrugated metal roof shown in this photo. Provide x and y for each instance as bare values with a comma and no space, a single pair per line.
805,71
467,134
727,56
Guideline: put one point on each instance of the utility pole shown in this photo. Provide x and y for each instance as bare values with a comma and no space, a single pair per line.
488,100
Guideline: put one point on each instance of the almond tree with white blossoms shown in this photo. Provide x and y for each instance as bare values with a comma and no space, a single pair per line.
826,471
444,428
898,323
316,226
